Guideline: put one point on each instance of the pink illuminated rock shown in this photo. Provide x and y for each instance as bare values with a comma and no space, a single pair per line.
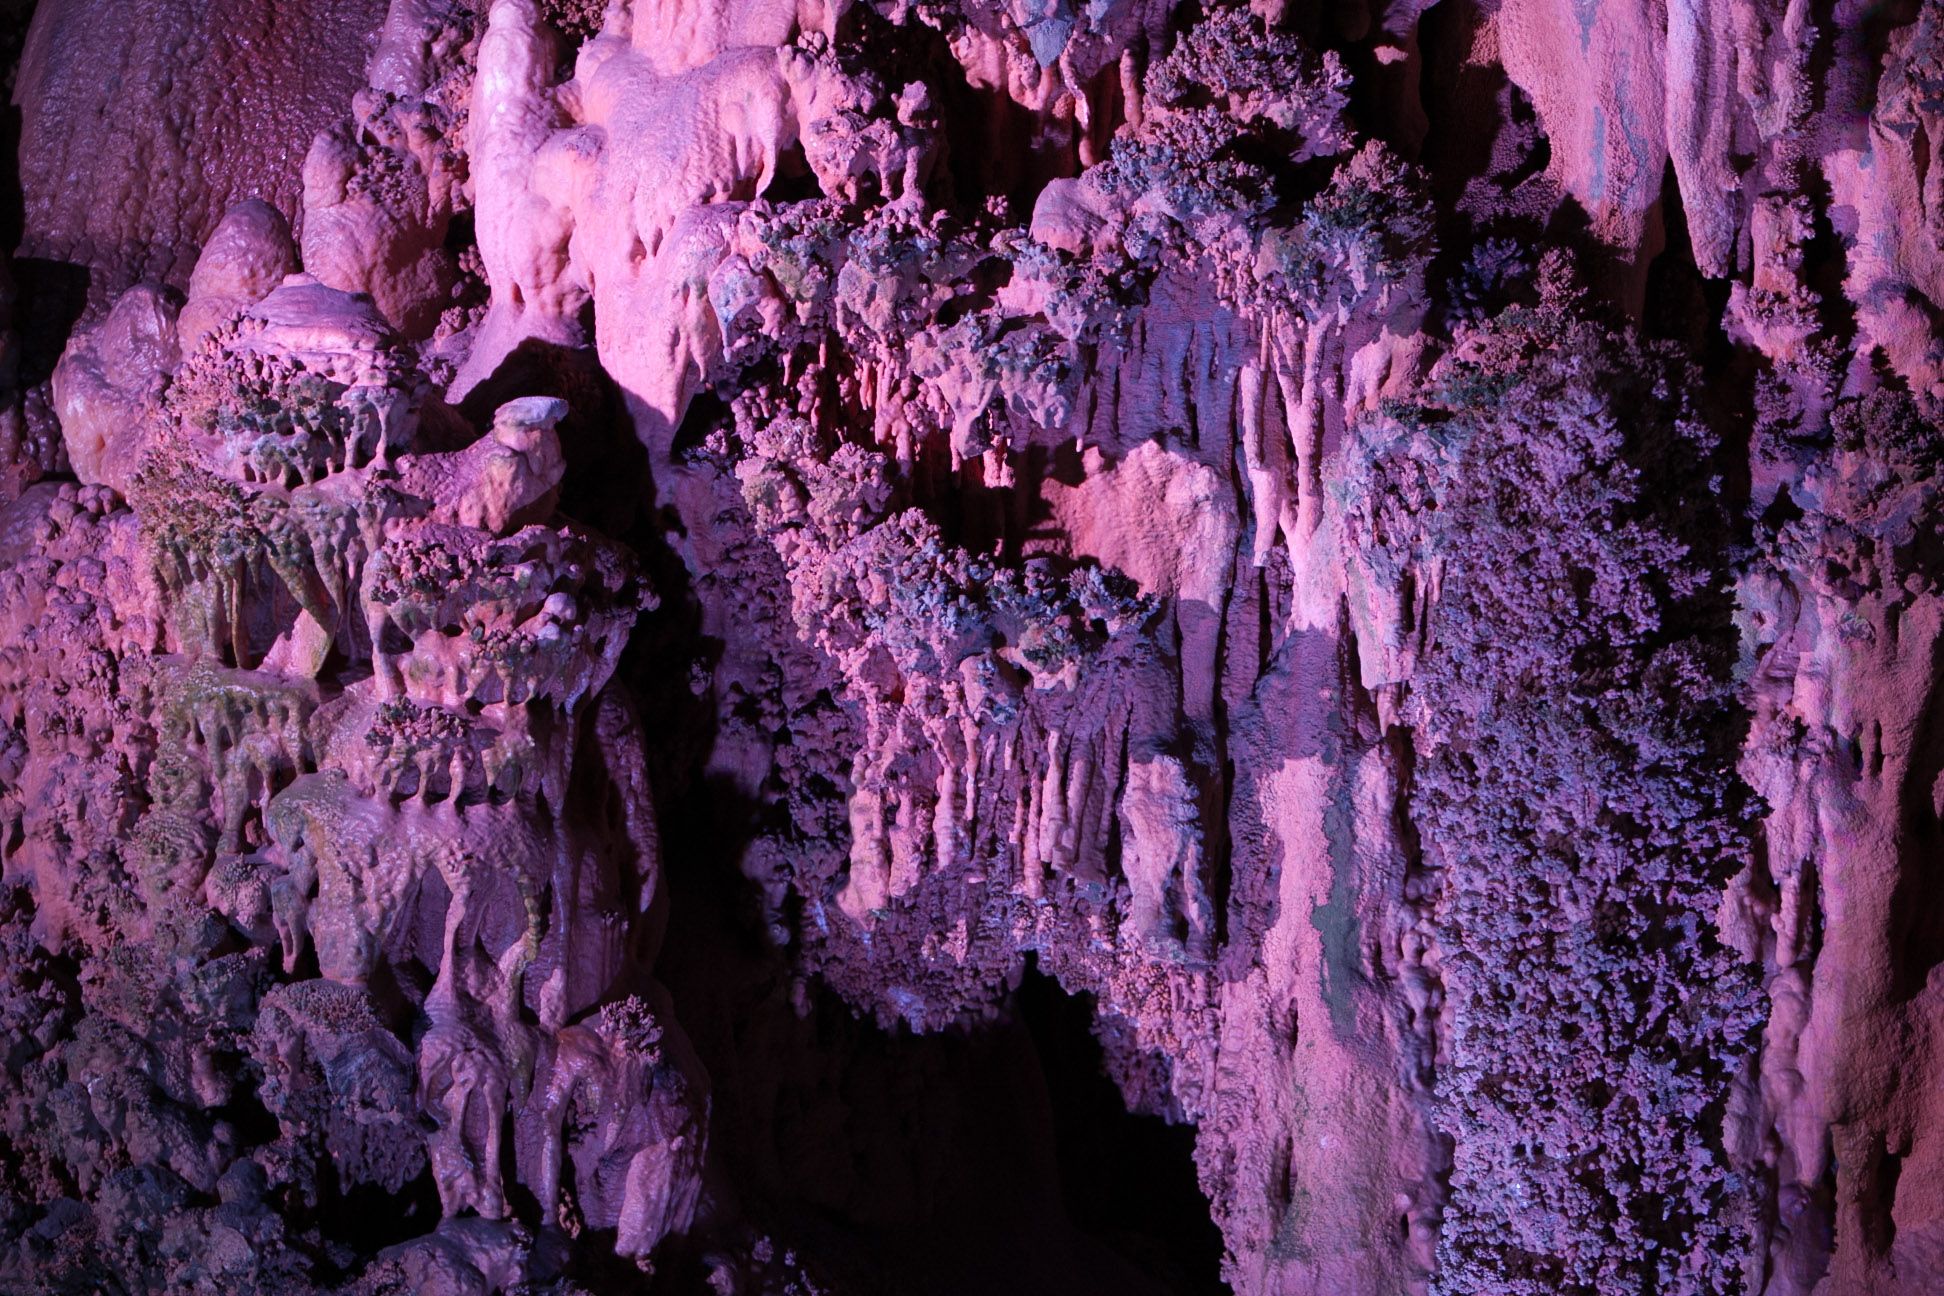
610,600
142,122
380,189
246,258
108,383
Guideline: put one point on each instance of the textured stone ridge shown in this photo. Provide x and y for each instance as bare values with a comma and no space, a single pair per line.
806,647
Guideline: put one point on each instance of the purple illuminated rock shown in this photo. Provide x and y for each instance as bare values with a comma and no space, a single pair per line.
609,600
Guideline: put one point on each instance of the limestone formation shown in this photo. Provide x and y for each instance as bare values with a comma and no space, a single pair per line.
783,646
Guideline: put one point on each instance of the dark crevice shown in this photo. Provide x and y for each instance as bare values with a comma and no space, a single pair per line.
368,1219
1128,1180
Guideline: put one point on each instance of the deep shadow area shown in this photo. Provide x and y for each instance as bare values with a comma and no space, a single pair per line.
1127,1180
368,1219
991,1157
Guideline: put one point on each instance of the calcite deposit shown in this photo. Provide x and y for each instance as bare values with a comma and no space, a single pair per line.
842,646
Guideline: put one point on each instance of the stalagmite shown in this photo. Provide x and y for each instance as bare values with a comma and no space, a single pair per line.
795,646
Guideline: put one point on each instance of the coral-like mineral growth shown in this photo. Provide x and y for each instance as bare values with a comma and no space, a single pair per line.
806,647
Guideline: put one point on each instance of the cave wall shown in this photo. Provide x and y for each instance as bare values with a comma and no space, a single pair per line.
599,600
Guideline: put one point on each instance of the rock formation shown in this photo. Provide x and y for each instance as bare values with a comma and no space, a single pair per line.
791,646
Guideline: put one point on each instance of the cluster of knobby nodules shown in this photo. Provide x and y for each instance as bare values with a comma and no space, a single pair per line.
1394,548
